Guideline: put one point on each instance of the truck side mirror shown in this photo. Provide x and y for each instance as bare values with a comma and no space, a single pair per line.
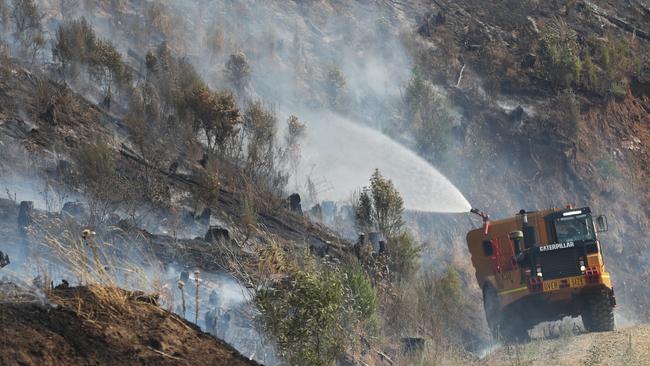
601,224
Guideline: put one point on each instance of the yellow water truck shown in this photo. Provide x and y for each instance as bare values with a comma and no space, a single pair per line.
542,266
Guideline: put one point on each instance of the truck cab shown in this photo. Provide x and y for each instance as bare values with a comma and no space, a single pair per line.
542,266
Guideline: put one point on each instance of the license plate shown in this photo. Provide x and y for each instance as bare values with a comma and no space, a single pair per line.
576,281
557,284
551,285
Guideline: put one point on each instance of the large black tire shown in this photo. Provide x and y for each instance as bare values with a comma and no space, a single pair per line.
598,314
510,327
514,329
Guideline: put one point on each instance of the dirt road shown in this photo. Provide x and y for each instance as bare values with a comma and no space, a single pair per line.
625,346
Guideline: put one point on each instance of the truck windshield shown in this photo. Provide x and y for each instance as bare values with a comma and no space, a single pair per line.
573,228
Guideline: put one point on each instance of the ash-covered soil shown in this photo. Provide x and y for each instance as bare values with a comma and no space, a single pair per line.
103,326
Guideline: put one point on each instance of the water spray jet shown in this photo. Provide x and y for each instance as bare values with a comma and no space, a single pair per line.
346,153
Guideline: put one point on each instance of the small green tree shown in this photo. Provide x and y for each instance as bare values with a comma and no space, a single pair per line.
26,17
177,83
388,206
76,44
441,304
379,207
336,87
449,293
28,29
427,117
98,180
305,318
361,296
293,144
75,41
216,113
105,66
238,72
260,130
319,311
363,211
417,94
403,255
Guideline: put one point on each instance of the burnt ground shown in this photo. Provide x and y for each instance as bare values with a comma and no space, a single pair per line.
99,326
41,144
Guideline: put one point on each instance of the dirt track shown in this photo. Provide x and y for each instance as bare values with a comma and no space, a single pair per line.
626,346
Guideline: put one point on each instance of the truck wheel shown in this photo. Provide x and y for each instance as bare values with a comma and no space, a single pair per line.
514,329
598,316
510,328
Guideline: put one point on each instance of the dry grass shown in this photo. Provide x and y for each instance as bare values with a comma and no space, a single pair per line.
112,273
43,95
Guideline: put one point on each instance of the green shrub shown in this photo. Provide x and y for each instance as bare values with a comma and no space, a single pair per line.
238,71
361,296
176,81
618,57
28,28
590,74
216,113
441,304
313,317
427,117
607,167
293,138
559,55
379,207
363,211
76,44
403,256
98,180
261,160
567,109
618,89
608,62
388,205
336,87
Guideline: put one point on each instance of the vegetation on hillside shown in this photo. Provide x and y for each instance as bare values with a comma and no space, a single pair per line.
172,121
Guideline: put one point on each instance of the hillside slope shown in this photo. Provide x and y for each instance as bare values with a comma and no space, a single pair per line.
95,326
498,120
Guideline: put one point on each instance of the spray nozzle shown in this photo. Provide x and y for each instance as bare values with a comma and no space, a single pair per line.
483,215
